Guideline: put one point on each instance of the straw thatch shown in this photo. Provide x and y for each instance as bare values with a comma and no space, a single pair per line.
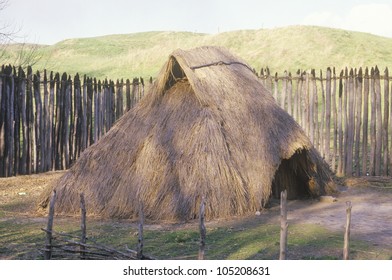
207,128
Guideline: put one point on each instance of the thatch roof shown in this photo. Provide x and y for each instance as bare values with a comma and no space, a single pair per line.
207,128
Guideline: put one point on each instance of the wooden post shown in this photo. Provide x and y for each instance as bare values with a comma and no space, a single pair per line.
335,123
379,132
202,229
283,225
97,105
9,123
107,106
89,111
385,124
372,124
134,92
284,91
51,123
60,116
119,99
128,94
301,100
327,126
350,126
345,121
77,119
60,87
358,120
297,98
276,88
311,103
67,123
140,241
141,88
314,117
38,123
307,106
268,79
290,95
48,243
85,116
112,104
83,227
322,130
46,130
365,122
346,248
17,127
340,125
22,96
30,122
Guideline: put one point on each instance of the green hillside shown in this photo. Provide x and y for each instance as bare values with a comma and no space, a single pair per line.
143,54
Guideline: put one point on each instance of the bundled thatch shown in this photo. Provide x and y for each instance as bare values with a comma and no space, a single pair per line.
207,128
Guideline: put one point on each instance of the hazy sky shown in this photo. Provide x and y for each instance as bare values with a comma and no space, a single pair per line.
50,21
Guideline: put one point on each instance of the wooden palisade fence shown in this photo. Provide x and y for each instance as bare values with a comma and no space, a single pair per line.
48,119
346,116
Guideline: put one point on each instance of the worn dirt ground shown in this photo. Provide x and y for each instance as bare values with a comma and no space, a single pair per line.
371,199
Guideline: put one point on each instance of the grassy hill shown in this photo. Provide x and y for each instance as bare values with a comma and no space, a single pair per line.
143,54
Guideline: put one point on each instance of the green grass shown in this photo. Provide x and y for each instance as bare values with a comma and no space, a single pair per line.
143,54
242,240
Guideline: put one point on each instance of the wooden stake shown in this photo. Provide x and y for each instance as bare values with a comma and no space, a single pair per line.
385,148
48,243
377,90
140,233
276,88
335,122
327,127
283,225
340,126
346,248
365,125
202,229
358,120
350,125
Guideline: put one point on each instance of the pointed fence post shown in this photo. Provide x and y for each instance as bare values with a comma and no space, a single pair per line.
346,248
140,244
202,229
48,243
283,225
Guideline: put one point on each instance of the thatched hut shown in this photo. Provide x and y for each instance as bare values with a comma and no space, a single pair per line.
207,128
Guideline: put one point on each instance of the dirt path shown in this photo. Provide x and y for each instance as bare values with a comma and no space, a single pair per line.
371,218
371,215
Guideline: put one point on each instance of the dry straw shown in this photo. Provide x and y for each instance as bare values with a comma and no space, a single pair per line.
207,128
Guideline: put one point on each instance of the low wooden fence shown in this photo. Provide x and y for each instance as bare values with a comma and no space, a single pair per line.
347,116
67,246
48,119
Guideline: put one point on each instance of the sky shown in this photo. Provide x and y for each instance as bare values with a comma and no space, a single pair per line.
51,21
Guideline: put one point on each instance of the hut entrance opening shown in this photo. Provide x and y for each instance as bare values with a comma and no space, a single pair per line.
292,175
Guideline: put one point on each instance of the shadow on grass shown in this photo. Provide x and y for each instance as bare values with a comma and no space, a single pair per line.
240,240
19,240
